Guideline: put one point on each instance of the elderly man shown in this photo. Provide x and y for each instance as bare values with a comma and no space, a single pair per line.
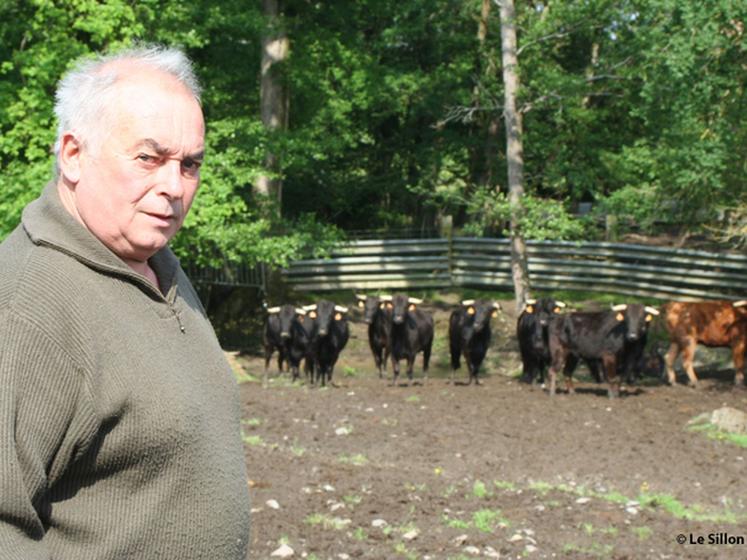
119,416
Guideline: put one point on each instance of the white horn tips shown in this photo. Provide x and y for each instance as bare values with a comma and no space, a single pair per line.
300,311
468,302
560,304
740,303
530,301
311,307
416,301
620,307
362,298
497,305
341,309
651,310
273,310
385,297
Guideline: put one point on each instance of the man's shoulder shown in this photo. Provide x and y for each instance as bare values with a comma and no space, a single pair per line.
34,275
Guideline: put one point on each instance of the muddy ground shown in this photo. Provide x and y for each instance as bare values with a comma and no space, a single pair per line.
449,471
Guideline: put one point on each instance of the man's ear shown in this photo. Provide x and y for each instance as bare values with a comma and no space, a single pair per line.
69,159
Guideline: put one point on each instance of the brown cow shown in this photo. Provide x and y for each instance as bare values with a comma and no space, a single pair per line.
712,323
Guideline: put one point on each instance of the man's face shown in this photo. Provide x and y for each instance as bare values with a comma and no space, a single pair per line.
139,176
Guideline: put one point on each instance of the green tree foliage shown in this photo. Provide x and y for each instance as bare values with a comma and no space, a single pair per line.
637,106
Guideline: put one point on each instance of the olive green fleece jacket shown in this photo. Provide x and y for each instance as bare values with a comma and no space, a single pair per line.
119,416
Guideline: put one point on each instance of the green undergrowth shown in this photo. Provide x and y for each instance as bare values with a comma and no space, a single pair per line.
713,432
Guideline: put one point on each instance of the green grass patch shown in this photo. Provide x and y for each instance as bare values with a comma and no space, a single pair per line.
713,432
504,485
413,399
349,371
357,460
251,422
596,550
254,441
244,377
643,533
480,490
326,521
488,520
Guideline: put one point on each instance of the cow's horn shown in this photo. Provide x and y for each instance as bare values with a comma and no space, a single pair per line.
385,297
560,304
300,311
273,309
651,310
468,302
740,303
361,297
620,307
497,305
416,301
341,309
311,307
530,301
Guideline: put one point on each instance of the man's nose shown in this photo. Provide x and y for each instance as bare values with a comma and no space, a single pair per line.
171,179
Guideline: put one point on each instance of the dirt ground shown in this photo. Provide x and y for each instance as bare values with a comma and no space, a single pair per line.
437,470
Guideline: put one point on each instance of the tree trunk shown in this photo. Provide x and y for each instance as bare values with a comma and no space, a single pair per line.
492,123
514,151
273,97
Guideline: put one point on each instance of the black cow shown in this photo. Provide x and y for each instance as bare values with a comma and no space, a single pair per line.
377,314
411,333
300,347
329,335
469,334
604,337
277,333
532,331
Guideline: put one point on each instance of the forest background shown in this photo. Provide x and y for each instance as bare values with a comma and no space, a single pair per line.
389,115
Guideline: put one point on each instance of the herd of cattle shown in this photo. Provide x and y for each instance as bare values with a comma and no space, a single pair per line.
552,339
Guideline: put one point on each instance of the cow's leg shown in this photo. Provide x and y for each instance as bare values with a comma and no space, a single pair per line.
609,365
571,361
395,370
552,374
410,368
669,359
738,347
688,355
426,360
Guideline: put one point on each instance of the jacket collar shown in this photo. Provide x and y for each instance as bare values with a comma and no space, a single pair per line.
47,222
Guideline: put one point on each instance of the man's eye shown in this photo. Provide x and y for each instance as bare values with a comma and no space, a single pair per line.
191,166
146,158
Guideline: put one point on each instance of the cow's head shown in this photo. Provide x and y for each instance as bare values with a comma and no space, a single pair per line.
325,313
401,306
543,309
373,304
479,312
285,315
636,317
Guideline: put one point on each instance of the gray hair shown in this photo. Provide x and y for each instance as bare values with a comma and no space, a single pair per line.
84,92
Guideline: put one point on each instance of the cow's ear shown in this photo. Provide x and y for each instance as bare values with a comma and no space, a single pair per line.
338,316
301,318
649,317
312,314
389,305
529,309
620,316
470,310
494,313
411,307
361,304
382,305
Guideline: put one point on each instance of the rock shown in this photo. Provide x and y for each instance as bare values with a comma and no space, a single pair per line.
272,504
516,538
328,488
411,535
583,500
460,540
530,548
490,552
343,556
730,419
342,431
283,552
379,523
472,550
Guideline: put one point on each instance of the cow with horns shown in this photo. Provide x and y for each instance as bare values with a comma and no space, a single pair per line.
601,337
532,332
411,333
277,333
712,323
469,334
377,314
329,335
